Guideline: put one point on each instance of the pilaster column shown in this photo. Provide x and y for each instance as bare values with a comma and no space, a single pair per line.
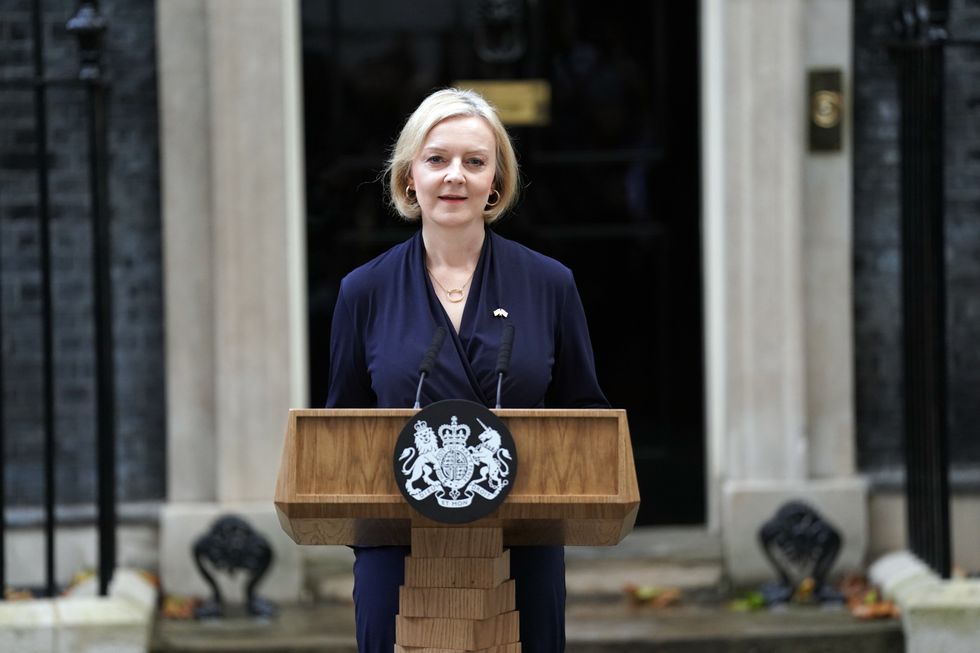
259,250
184,97
765,379
828,259
234,237
778,294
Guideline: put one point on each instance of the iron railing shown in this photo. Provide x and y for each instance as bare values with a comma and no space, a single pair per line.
88,26
920,51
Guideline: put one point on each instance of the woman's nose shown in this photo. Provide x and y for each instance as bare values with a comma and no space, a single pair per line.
454,173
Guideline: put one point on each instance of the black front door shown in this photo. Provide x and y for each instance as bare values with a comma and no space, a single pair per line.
612,182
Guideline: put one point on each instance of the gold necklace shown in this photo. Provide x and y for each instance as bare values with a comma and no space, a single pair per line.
455,295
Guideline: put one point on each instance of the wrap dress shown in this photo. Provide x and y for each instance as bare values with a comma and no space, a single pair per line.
384,320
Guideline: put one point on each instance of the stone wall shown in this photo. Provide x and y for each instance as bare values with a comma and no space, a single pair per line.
877,245
136,258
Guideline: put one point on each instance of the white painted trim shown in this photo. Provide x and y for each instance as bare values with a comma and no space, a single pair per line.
712,252
294,166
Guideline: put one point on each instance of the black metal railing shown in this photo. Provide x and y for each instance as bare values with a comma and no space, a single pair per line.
44,251
88,26
920,52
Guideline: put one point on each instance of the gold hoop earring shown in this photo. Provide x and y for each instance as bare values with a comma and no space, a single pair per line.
410,194
496,201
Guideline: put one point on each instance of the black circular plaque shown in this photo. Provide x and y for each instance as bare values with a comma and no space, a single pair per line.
455,461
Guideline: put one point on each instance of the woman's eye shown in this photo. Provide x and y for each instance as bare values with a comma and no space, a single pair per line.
477,162
435,158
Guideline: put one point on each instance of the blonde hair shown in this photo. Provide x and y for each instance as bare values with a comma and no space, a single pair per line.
443,104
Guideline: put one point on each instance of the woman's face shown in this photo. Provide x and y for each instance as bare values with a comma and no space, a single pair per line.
453,173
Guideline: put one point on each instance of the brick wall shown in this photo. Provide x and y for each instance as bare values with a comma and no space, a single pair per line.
963,232
877,246
136,258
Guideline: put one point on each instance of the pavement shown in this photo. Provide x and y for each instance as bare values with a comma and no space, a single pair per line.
600,616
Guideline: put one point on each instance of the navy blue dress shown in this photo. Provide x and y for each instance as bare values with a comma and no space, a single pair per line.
385,316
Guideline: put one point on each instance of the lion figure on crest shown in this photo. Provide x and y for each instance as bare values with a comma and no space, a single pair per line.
424,455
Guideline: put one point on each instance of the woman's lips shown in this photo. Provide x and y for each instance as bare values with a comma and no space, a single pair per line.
452,198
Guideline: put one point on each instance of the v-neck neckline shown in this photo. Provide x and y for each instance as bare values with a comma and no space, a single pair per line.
462,339
466,320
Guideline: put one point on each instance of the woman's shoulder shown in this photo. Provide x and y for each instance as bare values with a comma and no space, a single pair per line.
379,272
514,255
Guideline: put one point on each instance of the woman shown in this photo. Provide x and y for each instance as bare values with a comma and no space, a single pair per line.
453,169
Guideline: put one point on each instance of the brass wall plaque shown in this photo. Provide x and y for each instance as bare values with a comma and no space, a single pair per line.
519,102
825,110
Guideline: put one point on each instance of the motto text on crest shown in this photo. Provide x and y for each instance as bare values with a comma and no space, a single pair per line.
454,472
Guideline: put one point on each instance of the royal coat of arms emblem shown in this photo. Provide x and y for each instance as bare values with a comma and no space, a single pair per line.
444,466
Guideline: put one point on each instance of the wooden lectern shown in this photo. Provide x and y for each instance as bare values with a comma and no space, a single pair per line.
576,485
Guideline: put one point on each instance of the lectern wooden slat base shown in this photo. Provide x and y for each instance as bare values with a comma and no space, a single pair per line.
576,485
468,565
457,634
456,603
457,542
505,648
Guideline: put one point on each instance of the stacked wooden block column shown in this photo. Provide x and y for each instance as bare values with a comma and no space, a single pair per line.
457,595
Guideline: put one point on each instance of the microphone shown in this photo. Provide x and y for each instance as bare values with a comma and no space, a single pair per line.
503,357
429,360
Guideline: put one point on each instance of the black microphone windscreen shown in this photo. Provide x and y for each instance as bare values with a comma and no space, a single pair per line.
506,343
430,356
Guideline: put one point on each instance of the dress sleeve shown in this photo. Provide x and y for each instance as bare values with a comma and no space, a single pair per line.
573,378
349,384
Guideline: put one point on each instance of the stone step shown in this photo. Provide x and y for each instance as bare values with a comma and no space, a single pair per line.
678,544
591,628
688,558
715,629
585,580
607,580
600,619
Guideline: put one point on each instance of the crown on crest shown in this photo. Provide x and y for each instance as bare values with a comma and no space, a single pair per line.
454,433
